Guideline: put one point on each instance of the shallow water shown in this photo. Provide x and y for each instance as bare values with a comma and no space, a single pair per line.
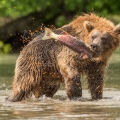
60,108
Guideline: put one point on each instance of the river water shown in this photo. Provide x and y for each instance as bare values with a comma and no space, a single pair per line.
61,108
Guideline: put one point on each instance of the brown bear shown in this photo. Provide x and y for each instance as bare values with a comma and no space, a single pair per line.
44,64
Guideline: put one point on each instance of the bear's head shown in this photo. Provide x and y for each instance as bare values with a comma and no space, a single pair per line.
102,42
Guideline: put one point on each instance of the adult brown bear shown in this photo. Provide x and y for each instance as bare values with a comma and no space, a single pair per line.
43,65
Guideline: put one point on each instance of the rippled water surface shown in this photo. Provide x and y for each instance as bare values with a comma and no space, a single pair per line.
59,107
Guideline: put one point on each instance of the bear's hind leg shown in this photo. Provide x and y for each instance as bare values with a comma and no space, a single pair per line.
20,89
74,88
72,82
51,90
46,89
16,96
38,91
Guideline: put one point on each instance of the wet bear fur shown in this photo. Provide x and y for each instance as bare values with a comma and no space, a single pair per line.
44,64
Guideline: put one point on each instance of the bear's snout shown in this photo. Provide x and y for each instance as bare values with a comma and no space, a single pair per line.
94,47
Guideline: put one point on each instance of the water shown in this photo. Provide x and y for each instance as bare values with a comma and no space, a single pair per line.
61,108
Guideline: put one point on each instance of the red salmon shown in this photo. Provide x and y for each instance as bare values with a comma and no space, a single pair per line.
71,42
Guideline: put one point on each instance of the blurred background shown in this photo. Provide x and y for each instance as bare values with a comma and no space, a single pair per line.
16,16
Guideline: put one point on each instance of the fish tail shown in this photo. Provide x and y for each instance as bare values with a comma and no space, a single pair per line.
48,34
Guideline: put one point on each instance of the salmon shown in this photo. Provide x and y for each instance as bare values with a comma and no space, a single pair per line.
71,42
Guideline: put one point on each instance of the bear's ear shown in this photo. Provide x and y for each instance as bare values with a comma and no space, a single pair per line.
88,26
117,29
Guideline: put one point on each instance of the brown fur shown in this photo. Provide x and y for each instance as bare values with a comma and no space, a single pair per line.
43,65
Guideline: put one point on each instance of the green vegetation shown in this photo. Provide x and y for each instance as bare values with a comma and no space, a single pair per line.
113,72
7,65
61,10
5,48
24,7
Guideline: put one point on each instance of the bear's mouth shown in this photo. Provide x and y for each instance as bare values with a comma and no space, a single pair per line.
97,53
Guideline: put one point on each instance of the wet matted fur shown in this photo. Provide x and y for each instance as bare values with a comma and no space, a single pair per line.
43,65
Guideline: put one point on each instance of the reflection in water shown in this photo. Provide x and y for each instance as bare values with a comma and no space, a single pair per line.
60,107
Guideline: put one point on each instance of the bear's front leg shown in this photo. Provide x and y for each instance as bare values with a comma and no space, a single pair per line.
95,84
73,87
72,81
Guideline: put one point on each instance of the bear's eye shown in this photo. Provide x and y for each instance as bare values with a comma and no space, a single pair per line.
104,38
93,37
